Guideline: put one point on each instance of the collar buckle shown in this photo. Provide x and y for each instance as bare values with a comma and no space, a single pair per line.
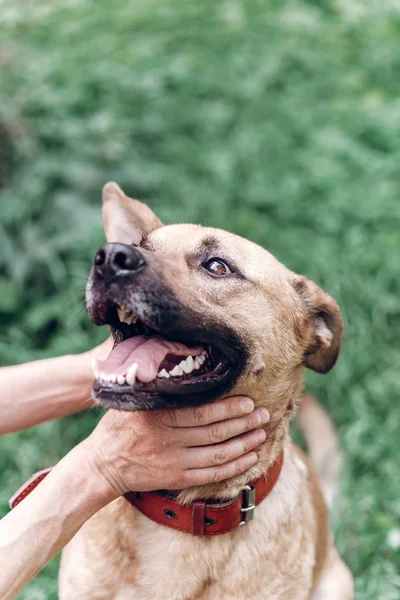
249,504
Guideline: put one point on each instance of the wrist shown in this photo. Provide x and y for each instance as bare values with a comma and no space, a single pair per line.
101,485
80,366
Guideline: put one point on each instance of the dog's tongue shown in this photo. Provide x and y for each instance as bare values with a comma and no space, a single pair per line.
147,352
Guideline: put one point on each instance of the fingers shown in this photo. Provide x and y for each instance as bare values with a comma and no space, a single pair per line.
223,430
193,416
219,473
208,456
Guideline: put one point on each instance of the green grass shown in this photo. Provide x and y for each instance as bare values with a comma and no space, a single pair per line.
277,120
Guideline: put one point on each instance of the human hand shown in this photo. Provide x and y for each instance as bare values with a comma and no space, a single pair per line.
175,448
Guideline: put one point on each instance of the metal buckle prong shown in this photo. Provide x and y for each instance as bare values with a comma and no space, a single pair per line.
249,504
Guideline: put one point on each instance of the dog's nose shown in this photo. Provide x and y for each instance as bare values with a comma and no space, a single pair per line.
113,260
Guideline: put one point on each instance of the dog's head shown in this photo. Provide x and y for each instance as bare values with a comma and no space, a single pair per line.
199,312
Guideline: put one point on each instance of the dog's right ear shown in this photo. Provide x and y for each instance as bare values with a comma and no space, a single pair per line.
326,325
126,220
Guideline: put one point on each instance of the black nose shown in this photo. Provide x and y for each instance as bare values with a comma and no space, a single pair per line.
114,260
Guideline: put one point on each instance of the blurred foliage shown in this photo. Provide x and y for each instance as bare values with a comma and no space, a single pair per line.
277,120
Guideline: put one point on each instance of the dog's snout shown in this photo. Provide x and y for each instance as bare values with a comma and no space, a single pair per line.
114,260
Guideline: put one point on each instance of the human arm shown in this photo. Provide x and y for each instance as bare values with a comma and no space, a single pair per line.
140,451
38,391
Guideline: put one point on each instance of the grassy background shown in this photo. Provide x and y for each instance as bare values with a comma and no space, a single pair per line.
278,120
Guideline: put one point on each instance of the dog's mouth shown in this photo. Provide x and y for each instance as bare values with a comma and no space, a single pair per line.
146,364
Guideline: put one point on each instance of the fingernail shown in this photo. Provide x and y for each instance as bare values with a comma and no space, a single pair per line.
260,436
247,405
263,415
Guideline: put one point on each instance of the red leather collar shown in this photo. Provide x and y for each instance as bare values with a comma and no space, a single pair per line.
199,518
28,487
202,517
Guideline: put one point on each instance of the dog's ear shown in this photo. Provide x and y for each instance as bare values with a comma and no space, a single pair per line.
125,220
326,325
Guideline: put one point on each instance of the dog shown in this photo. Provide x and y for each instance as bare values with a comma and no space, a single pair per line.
258,324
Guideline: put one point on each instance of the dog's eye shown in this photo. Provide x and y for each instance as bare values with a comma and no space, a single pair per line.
216,266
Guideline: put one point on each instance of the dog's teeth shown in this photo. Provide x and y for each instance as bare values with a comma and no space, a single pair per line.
130,318
201,359
121,379
176,371
131,374
113,379
196,363
125,315
163,373
187,365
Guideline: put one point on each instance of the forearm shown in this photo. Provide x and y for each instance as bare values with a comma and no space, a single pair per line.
42,390
38,528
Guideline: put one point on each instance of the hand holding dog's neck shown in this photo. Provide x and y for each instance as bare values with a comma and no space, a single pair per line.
280,401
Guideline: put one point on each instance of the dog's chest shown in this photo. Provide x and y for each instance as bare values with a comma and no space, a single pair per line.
248,564
271,558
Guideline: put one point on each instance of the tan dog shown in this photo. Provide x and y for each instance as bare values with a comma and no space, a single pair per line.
258,324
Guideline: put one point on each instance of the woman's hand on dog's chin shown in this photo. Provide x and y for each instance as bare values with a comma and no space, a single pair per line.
174,449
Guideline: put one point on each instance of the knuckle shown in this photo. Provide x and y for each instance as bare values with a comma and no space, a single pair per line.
221,455
245,445
215,475
205,414
197,414
231,408
248,423
216,433
183,439
238,468
157,448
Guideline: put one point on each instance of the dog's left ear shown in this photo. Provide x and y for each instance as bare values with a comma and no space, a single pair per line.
125,220
326,325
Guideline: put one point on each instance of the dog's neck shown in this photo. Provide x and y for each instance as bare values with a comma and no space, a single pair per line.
281,400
